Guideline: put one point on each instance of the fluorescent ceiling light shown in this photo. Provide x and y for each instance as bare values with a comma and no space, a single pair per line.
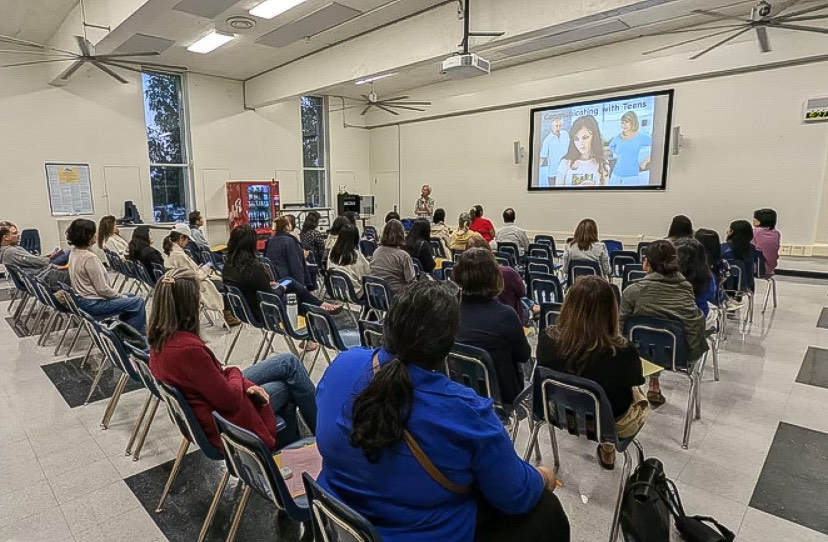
210,42
271,8
372,79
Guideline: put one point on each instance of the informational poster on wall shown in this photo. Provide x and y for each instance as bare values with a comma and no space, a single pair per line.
70,189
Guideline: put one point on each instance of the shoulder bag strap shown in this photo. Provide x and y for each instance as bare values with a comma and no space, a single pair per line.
422,458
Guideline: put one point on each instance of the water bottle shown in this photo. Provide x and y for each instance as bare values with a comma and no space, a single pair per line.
292,309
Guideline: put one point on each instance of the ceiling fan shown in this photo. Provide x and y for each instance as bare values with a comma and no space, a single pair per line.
762,16
87,55
389,104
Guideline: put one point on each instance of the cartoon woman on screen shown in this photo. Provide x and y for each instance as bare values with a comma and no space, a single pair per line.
584,163
627,146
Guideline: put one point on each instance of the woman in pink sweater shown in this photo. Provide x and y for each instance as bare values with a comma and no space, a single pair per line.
766,237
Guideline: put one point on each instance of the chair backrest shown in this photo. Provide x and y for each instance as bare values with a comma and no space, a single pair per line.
269,269
370,334
253,463
736,282
323,329
418,267
620,258
30,240
17,278
377,293
582,268
183,417
140,360
549,313
448,269
274,316
508,256
142,274
539,250
370,232
339,286
574,404
116,352
613,246
157,271
760,268
238,305
547,240
617,291
503,260
45,296
538,265
659,340
332,520
368,247
473,367
455,255
545,288
642,246
509,248
631,273
437,250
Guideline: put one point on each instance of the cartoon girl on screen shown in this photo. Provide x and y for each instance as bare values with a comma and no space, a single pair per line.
584,163
633,151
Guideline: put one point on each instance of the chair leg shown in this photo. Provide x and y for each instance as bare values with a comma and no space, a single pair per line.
315,357
750,306
698,397
715,354
113,401
213,506
233,344
75,339
64,335
767,298
773,283
688,418
97,375
47,331
234,527
137,425
138,447
182,450
327,356
88,354
259,351
533,437
554,441
616,517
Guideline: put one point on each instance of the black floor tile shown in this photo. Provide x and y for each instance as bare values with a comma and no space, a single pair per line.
190,497
19,329
73,383
793,484
823,318
814,369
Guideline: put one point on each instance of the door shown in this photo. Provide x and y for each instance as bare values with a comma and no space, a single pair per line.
385,187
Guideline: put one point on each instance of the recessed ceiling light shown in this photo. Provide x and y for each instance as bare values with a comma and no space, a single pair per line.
271,8
374,78
210,42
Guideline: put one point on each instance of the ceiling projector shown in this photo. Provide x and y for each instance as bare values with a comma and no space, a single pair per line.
465,65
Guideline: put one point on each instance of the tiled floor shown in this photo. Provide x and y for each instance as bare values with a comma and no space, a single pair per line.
62,478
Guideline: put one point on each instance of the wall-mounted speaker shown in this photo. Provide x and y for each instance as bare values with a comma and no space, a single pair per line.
676,140
519,152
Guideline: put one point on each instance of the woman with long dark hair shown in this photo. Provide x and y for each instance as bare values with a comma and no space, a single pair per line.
346,257
692,260
141,250
251,398
109,236
338,223
384,412
585,246
585,163
311,238
680,227
739,250
480,224
418,244
664,293
586,341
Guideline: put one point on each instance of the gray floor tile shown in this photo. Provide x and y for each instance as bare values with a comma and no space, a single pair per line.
37,497
823,318
759,526
89,511
814,370
77,483
794,481
137,522
47,526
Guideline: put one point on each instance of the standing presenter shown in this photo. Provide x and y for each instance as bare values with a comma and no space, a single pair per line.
424,208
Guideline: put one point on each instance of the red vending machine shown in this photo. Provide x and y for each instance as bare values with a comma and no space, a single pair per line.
255,204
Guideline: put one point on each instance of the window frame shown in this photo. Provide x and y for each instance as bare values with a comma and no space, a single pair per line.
186,142
325,202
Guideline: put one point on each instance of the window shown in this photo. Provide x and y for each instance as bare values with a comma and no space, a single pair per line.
167,142
315,151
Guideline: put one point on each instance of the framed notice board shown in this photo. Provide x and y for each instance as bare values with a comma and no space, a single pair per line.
70,189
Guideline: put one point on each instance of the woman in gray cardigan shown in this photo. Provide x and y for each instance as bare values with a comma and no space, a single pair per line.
585,246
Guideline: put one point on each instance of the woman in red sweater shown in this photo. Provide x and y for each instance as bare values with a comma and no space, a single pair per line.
249,398
481,225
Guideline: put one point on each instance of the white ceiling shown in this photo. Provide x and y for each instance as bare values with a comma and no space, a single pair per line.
33,20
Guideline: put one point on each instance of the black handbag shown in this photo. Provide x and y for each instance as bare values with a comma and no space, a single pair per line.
645,516
695,528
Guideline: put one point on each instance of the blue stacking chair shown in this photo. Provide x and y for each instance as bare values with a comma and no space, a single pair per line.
510,249
737,284
252,462
613,246
157,271
140,360
30,240
368,247
549,313
550,242
340,288
631,273
276,322
582,268
545,288
760,270
580,407
663,342
437,250
377,295
240,309
116,353
641,248
21,293
370,334
324,331
621,258
332,519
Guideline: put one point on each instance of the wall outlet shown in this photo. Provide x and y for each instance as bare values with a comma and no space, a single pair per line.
785,250
797,250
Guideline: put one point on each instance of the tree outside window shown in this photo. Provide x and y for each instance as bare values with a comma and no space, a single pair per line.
314,151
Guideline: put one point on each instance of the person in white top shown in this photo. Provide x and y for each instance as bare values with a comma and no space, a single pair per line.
198,237
109,237
584,164
585,246
554,148
510,233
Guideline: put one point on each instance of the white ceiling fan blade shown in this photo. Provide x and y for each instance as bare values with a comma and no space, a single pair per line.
389,102
762,37
152,65
85,46
18,41
38,53
698,29
109,72
387,109
408,108
122,55
804,11
719,43
367,109
803,18
685,42
120,66
71,70
781,7
397,99
717,15
801,28
33,62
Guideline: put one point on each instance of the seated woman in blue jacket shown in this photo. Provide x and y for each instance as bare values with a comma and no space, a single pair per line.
404,445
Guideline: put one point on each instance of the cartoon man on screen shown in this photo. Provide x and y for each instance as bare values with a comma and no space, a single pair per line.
554,147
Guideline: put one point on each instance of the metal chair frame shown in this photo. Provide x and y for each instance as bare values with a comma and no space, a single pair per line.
325,506
323,331
276,322
370,334
760,270
140,361
377,295
240,309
